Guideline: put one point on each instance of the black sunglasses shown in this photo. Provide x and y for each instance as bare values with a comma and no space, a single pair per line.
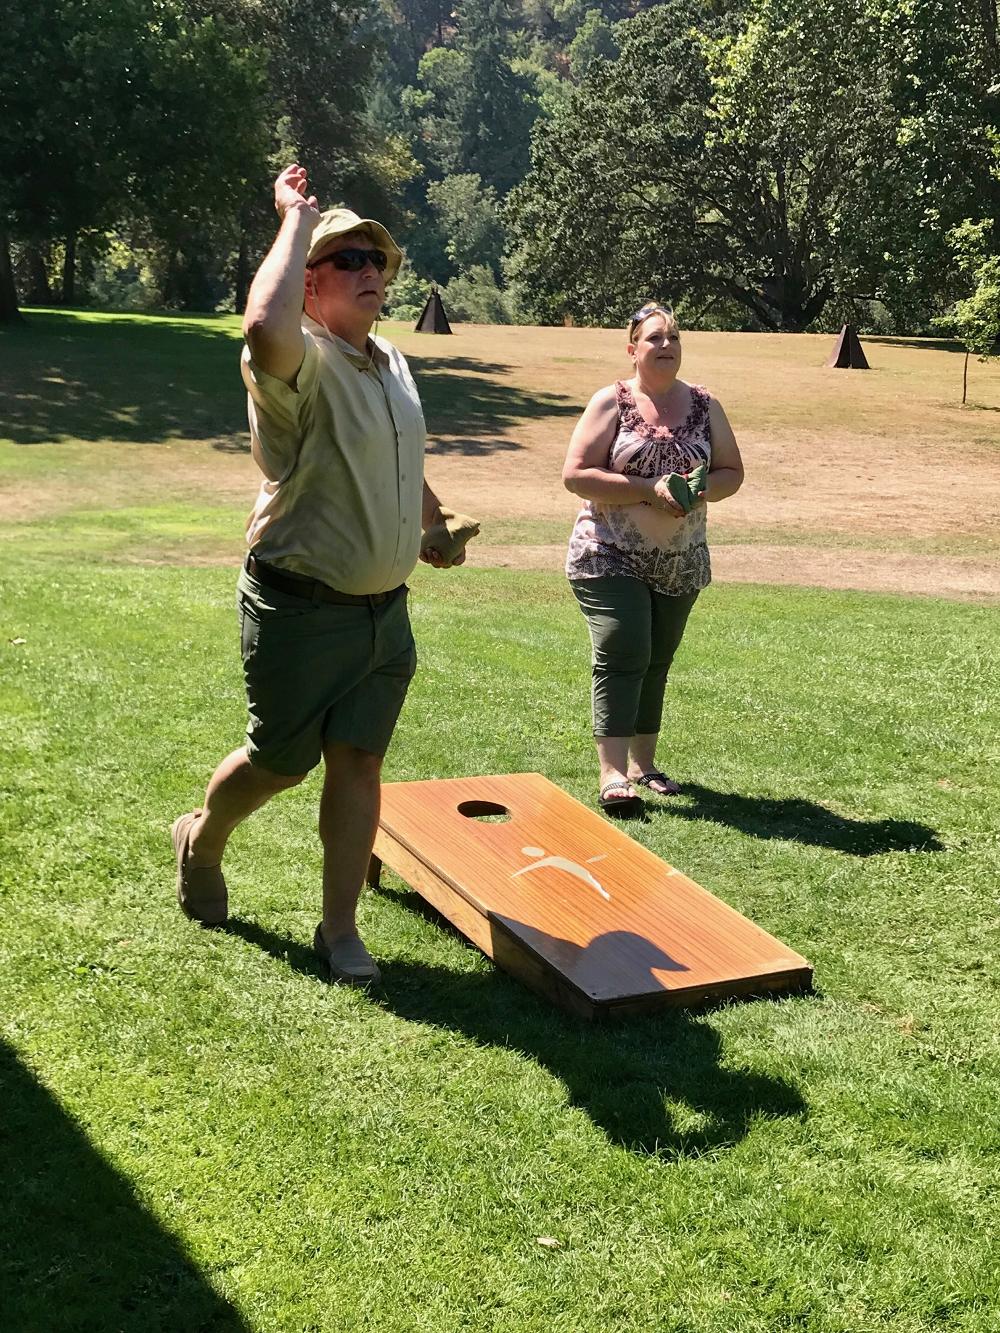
353,260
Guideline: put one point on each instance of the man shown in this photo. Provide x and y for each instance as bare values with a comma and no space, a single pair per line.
337,430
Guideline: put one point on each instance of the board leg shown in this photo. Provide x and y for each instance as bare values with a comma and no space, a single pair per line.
374,872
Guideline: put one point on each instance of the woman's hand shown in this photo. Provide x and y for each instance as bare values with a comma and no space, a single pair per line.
662,499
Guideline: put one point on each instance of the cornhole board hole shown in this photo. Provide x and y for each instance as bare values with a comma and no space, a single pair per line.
567,902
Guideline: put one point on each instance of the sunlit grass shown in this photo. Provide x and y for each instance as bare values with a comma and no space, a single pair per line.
199,1133
827,1162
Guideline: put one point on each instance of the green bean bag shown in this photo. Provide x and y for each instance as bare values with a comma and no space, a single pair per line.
685,489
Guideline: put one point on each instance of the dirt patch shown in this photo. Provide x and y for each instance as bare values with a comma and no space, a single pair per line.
854,479
962,578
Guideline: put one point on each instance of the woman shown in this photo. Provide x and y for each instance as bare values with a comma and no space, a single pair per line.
637,556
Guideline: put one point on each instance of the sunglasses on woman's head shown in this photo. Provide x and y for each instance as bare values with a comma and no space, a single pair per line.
647,310
352,259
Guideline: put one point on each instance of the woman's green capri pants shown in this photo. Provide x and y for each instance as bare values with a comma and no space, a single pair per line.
635,632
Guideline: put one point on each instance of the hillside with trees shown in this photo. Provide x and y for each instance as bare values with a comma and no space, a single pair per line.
776,166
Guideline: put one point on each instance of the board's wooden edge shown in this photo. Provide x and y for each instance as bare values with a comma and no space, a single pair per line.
414,871
783,980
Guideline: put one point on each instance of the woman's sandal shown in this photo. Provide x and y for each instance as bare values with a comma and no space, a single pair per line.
654,775
625,806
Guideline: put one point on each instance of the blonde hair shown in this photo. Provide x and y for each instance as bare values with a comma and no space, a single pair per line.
646,312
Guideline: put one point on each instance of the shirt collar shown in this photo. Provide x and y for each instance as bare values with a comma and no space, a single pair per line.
356,358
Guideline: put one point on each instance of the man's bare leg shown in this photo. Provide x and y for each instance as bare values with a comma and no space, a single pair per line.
237,788
348,822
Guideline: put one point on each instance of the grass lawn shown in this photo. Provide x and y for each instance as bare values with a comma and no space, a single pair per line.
199,1134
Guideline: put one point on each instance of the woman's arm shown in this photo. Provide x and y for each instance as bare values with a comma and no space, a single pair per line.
725,476
585,471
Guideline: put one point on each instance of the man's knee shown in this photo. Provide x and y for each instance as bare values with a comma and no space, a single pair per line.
351,763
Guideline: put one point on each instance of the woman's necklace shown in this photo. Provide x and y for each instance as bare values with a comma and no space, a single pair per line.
661,404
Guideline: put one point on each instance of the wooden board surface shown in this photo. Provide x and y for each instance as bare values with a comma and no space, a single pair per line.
552,887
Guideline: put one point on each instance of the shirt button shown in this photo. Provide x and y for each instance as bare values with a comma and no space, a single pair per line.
404,520
402,476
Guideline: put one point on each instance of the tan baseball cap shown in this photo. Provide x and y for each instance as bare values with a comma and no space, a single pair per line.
339,221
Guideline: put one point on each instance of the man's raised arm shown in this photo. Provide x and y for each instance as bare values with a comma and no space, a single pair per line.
272,324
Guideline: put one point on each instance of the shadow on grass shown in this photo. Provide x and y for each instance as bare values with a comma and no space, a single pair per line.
79,1251
134,380
915,344
622,1074
799,820
466,398
120,379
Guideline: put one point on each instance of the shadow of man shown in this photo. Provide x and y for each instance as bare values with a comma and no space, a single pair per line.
653,1085
798,820
79,1250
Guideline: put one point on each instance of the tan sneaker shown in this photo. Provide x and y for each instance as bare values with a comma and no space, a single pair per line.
201,890
349,961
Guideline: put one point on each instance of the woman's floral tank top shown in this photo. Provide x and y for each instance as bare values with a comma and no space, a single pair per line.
637,541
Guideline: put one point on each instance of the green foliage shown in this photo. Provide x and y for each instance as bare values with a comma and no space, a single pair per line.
976,320
810,159
407,295
472,110
497,105
467,215
774,160
121,278
594,40
474,297
614,171
135,89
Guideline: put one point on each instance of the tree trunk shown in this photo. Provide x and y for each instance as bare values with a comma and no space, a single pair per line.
965,376
69,271
243,262
39,292
9,313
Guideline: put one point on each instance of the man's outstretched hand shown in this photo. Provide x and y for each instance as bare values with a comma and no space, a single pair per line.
290,191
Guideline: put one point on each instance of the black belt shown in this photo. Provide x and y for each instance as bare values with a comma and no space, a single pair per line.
298,585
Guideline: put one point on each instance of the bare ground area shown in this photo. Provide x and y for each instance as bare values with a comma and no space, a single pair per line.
963,578
876,480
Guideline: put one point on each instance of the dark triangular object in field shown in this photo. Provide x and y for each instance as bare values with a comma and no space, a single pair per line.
847,353
432,317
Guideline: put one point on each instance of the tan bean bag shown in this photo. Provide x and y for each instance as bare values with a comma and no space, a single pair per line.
449,538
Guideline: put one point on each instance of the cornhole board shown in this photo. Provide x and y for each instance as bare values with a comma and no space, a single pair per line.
567,902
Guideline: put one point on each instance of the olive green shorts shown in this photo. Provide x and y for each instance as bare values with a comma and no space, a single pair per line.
317,672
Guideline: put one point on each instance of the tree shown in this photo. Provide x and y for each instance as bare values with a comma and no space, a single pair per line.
976,319
759,159
467,214
944,94
497,106
106,112
594,40
613,174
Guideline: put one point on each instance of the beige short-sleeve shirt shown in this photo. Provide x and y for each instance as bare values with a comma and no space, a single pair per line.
342,455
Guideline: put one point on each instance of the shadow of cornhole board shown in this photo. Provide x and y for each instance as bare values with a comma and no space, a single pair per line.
567,902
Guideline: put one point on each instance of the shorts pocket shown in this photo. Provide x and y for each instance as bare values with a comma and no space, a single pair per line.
249,628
